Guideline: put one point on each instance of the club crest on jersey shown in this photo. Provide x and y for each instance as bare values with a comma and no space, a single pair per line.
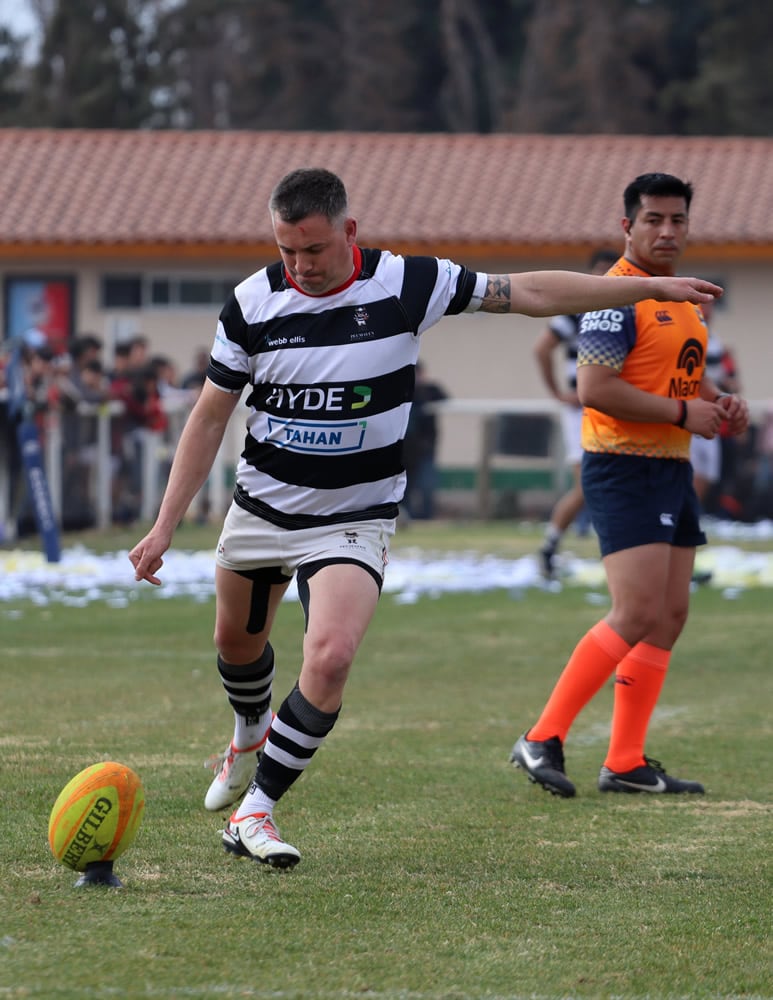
361,318
316,437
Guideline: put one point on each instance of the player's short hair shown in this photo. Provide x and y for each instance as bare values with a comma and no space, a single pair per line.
662,185
309,191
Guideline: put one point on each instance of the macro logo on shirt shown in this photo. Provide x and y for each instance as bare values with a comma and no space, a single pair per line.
364,392
317,436
605,320
298,422
313,398
690,361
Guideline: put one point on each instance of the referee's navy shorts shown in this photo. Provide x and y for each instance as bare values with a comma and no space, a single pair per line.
634,500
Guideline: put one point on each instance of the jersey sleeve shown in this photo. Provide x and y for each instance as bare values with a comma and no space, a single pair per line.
433,287
606,337
229,361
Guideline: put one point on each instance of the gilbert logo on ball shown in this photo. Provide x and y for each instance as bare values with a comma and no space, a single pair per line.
96,815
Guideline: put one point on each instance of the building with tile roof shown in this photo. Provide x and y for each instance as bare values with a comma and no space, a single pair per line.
148,229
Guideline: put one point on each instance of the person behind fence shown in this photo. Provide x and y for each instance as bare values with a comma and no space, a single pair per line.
328,338
134,384
420,447
706,453
640,377
561,332
196,376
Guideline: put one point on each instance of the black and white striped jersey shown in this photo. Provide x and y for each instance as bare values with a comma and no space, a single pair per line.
715,353
333,381
567,329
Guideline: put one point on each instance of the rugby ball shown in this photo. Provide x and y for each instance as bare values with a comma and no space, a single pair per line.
96,815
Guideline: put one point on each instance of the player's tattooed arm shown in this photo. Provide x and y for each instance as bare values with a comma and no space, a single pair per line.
497,296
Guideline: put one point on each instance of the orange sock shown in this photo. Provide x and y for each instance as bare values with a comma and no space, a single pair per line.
594,658
638,683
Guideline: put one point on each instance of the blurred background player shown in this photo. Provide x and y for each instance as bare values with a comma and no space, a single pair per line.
706,454
561,331
420,447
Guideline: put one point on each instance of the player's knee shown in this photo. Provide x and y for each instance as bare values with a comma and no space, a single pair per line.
237,647
674,621
329,656
635,623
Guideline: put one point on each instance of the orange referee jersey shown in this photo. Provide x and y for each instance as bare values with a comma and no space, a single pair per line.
659,347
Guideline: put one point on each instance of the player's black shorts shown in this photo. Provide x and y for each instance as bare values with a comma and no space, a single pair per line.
634,500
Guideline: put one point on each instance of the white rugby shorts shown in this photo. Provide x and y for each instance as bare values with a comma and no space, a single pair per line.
571,430
249,542
706,458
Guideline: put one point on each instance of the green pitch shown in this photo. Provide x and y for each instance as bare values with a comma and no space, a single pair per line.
431,869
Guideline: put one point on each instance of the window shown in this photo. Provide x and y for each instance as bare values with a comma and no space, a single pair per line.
160,293
195,292
165,291
121,292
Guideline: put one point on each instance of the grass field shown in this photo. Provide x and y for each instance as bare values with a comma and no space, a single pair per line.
431,869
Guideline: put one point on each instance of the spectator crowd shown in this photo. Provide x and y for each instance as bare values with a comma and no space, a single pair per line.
145,393
140,391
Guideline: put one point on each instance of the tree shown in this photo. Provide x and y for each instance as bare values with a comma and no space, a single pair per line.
733,85
594,66
201,47
12,80
93,70
290,64
554,66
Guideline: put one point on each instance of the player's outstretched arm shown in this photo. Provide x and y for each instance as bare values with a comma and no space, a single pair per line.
193,460
547,293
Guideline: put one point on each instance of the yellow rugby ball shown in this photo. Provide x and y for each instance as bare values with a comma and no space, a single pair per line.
96,815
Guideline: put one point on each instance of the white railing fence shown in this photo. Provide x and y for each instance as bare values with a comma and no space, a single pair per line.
98,474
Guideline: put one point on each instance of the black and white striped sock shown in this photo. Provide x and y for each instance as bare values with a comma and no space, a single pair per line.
296,733
248,688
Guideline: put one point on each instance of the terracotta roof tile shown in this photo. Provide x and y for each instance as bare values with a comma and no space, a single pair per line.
495,193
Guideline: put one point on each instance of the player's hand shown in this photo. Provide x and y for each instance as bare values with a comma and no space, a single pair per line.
146,557
695,290
736,411
703,417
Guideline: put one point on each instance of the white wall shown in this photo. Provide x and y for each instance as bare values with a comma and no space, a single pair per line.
478,356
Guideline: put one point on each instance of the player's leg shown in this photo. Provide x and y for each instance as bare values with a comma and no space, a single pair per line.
616,489
539,751
639,679
641,675
568,506
339,600
562,516
247,602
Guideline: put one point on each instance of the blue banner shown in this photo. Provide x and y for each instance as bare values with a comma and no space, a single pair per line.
32,460
28,440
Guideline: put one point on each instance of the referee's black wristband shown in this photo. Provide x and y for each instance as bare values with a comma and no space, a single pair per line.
682,414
